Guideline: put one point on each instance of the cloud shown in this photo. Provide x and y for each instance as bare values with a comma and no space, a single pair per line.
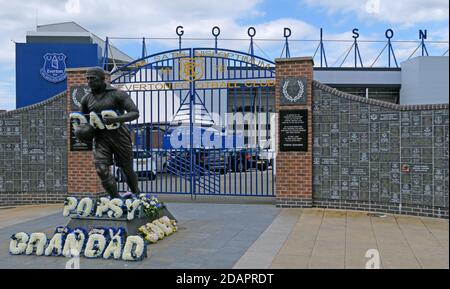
408,13
132,18
159,18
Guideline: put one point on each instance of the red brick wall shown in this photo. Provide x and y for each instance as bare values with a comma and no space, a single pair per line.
82,177
294,169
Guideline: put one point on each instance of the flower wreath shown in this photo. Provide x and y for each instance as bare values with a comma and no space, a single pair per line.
70,204
148,234
96,244
18,243
75,242
116,207
135,249
146,204
151,205
115,246
56,245
133,208
85,207
100,242
36,244
158,229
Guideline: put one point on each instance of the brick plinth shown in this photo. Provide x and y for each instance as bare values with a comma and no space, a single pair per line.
82,177
294,169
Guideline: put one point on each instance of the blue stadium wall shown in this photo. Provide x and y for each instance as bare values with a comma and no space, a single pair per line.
31,86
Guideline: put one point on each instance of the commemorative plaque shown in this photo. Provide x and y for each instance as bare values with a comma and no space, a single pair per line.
76,144
294,130
76,94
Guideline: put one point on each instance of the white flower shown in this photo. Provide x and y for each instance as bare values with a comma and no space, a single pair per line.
149,235
114,248
85,206
174,224
167,231
74,244
152,203
102,207
156,229
169,223
132,206
37,241
95,246
55,246
18,243
69,206
115,208
135,249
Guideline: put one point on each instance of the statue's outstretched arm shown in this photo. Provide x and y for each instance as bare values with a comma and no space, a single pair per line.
132,112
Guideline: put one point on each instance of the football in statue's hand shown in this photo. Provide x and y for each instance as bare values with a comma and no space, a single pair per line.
85,133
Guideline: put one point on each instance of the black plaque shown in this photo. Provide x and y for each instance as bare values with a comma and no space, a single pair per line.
76,144
76,94
294,130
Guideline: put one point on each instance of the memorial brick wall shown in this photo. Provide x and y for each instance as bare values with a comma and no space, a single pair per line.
33,153
377,156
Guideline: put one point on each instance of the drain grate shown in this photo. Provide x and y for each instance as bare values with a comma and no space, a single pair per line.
377,215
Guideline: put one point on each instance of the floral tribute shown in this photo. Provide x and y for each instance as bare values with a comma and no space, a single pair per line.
158,229
100,242
106,243
145,204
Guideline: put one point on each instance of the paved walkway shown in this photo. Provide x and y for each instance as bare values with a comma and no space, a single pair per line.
209,236
317,238
257,236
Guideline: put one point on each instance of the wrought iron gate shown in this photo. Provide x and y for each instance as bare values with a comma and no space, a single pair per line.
205,122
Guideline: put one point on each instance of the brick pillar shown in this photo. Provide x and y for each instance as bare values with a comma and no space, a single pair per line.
294,169
82,177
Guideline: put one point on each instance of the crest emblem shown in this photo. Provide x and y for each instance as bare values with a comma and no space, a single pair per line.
54,69
78,93
191,69
292,93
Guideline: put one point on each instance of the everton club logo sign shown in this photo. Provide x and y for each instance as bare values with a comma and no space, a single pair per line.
54,69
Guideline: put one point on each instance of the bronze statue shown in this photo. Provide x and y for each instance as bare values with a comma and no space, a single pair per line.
110,142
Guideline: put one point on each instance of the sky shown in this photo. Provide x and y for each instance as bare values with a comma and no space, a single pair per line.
159,18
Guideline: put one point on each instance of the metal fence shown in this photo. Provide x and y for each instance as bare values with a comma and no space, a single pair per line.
205,122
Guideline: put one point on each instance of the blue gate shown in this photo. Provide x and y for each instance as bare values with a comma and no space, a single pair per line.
206,124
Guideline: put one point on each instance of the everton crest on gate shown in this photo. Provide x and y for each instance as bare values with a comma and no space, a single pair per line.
54,69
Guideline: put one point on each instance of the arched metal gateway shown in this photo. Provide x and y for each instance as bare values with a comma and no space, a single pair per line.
206,124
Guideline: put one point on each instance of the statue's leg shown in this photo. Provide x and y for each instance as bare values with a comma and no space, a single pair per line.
107,179
130,177
123,156
102,161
